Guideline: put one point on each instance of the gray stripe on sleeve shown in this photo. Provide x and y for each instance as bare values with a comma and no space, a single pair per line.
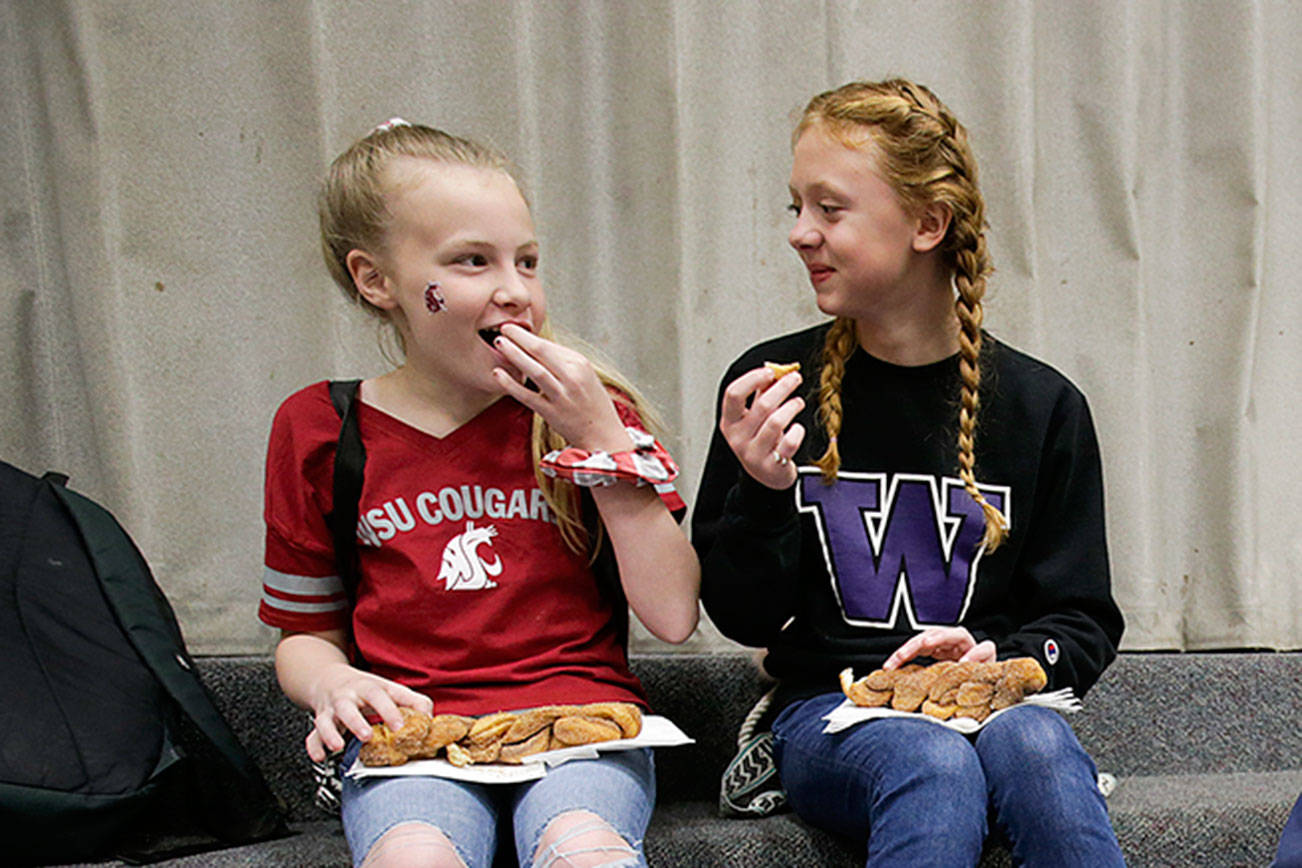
304,586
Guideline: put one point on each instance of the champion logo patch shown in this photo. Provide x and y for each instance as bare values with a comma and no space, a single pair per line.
1051,651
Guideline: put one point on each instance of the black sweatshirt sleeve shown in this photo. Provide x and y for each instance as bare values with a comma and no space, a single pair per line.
1063,572
748,539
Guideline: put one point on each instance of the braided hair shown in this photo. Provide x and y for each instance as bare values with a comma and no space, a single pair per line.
923,153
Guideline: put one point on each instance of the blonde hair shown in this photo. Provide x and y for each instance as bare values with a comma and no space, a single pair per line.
922,151
354,215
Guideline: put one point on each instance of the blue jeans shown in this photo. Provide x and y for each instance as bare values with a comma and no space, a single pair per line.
618,786
922,794
1289,852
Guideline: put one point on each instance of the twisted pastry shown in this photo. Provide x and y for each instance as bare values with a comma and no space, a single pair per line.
505,736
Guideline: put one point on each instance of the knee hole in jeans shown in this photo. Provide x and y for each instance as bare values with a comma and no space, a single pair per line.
413,845
581,839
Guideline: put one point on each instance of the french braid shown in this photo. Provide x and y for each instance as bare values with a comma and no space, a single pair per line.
923,152
838,346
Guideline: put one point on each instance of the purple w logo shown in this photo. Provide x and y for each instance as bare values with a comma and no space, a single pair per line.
909,541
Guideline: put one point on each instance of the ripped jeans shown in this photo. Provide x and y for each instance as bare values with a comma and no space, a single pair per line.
618,786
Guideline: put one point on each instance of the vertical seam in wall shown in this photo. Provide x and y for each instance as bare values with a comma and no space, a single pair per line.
35,212
1259,145
526,81
829,66
685,297
324,91
116,476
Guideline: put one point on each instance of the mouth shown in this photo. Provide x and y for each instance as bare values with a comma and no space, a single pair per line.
491,333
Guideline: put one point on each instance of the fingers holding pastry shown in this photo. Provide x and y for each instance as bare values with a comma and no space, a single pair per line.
411,735
757,419
781,369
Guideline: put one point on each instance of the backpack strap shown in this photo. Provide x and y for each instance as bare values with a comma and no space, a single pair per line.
349,471
605,568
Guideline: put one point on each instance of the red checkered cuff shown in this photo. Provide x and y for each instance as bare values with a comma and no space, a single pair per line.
646,464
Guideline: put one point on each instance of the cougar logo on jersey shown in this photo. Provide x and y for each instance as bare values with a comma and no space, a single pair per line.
463,567
904,541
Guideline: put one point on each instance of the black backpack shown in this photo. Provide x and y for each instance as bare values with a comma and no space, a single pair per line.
110,745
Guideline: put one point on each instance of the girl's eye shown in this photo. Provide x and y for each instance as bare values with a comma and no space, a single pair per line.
794,209
829,210
475,259
529,263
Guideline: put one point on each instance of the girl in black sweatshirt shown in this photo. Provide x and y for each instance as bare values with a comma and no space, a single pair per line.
843,518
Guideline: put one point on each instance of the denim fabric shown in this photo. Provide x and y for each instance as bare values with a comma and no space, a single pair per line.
922,794
618,786
1289,852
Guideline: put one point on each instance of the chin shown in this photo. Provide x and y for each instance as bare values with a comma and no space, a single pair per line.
827,304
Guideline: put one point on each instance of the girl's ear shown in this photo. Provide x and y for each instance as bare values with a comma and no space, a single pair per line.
932,226
369,280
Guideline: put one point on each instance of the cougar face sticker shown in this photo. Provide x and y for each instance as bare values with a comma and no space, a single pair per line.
434,301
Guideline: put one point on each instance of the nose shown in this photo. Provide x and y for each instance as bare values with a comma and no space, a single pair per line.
803,234
513,292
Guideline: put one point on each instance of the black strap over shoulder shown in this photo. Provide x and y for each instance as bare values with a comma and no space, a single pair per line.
606,568
350,469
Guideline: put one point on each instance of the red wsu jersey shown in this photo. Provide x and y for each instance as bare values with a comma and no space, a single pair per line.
467,592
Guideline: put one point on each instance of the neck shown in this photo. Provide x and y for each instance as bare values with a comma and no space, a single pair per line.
921,329
422,402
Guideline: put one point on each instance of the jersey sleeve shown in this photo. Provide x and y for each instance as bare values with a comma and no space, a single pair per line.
668,492
301,589
1071,624
747,537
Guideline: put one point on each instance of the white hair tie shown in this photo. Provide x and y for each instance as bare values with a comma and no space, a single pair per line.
390,124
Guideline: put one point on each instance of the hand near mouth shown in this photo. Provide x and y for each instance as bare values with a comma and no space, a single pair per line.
570,396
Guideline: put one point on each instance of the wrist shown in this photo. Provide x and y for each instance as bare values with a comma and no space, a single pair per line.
607,439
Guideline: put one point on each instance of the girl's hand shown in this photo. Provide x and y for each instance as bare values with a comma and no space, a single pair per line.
341,696
762,435
943,643
570,396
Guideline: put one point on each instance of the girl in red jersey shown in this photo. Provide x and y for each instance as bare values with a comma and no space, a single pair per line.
477,591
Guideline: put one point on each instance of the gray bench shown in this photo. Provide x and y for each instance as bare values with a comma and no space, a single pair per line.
1205,748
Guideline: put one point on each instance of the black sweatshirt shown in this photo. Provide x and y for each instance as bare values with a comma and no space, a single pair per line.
826,577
